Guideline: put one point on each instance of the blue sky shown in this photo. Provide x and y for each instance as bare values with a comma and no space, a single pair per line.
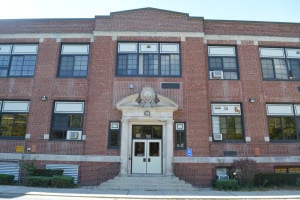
251,10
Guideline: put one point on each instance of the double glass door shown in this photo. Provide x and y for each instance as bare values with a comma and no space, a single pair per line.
146,156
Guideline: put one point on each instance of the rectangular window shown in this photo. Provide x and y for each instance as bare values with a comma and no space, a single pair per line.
148,59
17,60
67,120
13,119
287,169
280,63
227,122
74,60
114,135
222,62
283,122
180,135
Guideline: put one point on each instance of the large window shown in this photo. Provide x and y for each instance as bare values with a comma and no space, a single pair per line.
13,117
74,60
17,60
227,122
148,59
280,63
67,120
222,62
283,122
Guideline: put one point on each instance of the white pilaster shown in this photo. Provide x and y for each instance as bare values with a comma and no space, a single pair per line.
169,147
124,147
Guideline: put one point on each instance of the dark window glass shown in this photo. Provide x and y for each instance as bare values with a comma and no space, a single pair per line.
282,128
61,123
148,64
114,135
283,68
13,125
73,66
226,64
4,65
22,66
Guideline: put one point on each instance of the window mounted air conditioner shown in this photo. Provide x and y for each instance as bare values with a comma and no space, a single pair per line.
74,135
218,136
216,74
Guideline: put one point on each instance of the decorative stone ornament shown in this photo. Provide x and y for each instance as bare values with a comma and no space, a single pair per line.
147,97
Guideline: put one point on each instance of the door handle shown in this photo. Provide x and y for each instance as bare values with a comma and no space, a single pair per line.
144,159
149,160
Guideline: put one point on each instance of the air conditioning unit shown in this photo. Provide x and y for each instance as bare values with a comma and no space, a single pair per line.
216,74
74,135
222,177
218,136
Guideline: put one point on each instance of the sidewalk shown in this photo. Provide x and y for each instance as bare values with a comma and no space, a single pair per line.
203,193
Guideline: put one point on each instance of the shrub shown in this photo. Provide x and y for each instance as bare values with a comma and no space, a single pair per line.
245,171
40,181
277,179
62,181
6,179
47,172
230,184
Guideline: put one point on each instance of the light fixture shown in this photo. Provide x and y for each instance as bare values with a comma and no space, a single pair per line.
252,100
131,86
44,98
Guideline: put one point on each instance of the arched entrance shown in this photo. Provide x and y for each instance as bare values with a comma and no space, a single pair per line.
147,133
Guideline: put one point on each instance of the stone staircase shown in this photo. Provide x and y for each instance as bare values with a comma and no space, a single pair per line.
147,183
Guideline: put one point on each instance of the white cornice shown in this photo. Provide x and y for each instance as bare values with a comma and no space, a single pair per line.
181,35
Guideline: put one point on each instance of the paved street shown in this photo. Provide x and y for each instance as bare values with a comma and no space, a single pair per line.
88,193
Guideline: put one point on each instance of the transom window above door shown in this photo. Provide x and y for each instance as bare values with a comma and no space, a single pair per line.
148,59
147,132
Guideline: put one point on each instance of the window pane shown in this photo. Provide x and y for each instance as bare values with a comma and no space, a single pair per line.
274,126
215,63
229,63
280,69
114,138
122,65
150,64
22,66
230,75
4,61
175,65
295,68
19,129
7,121
132,64
66,66
165,65
180,139
60,122
80,66
75,121
58,134
289,128
267,67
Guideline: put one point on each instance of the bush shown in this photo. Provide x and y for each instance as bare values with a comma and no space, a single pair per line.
40,181
6,179
230,184
47,172
277,179
62,182
245,171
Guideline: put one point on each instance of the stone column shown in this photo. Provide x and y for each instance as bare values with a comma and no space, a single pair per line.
124,149
169,148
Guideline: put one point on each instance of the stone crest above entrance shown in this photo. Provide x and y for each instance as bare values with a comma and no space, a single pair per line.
146,109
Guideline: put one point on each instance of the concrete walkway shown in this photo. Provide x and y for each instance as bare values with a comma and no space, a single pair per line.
203,193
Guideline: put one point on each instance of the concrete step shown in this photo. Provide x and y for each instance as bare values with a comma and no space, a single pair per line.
147,183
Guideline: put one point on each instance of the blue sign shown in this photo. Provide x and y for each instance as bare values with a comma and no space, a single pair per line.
189,152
